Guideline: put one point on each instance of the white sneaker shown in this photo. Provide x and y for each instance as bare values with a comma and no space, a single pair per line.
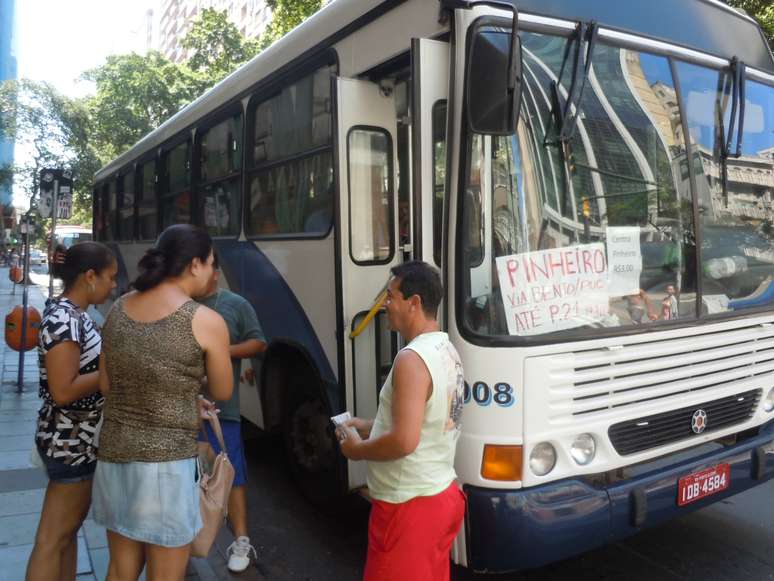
239,554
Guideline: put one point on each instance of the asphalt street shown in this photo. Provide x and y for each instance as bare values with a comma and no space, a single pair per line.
729,541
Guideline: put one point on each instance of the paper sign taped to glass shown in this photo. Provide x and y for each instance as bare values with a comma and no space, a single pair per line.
624,260
553,290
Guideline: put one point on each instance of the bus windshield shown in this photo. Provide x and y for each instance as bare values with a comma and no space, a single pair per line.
600,231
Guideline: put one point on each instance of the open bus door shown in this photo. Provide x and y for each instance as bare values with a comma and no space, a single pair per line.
430,75
367,115
367,131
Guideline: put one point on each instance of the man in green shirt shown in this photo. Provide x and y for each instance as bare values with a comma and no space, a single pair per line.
247,340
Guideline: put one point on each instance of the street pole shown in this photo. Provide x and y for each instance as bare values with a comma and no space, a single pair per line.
25,298
52,243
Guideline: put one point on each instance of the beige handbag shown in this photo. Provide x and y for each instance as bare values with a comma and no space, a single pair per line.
214,490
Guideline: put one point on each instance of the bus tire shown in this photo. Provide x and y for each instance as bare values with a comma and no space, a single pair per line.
310,441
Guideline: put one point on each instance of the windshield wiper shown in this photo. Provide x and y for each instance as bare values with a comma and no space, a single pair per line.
739,72
566,116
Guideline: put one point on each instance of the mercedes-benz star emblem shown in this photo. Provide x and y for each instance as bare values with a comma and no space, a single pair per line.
699,421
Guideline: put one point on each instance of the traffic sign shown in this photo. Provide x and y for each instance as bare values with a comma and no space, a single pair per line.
62,179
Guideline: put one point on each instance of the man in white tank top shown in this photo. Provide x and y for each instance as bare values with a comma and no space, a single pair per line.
417,506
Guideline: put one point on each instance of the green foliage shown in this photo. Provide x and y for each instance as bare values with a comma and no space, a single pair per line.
286,15
217,48
40,120
762,11
134,95
54,130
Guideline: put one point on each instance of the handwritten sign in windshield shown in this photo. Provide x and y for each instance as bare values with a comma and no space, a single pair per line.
553,290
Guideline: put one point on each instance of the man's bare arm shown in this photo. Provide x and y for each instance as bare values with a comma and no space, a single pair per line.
411,388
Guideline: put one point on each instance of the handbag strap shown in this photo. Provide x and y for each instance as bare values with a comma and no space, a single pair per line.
215,425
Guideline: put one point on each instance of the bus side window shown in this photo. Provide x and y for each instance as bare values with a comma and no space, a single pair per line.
97,213
369,155
439,175
109,212
290,165
126,206
220,186
147,207
175,204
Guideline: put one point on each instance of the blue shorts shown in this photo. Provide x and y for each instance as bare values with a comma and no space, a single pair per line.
150,502
62,473
232,436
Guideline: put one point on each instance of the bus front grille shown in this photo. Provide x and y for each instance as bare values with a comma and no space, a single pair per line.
648,432
602,383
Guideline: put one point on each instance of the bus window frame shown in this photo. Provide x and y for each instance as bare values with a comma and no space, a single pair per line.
392,194
96,210
438,244
673,54
250,169
164,190
154,157
221,115
126,170
106,207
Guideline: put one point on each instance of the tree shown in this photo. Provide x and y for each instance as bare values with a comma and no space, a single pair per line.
39,119
286,15
217,46
52,130
134,95
762,11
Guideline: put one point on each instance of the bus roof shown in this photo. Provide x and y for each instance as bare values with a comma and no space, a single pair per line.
719,30
324,27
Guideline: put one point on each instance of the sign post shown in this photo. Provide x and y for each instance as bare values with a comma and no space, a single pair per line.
56,200
26,225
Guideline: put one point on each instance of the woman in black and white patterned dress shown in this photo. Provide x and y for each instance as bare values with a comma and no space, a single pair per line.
69,345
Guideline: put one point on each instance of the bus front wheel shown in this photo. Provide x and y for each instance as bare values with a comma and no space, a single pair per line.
310,443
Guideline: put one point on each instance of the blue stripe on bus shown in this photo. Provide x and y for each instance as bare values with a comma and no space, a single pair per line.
251,274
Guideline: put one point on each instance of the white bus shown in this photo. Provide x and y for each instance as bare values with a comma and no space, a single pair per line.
67,235
599,196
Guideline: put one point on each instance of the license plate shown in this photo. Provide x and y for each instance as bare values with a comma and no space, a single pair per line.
703,484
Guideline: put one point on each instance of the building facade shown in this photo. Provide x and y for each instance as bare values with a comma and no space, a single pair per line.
7,71
249,16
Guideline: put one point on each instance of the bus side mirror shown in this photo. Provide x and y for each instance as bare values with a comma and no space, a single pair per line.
493,80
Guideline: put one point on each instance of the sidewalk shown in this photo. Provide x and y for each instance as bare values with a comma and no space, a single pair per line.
22,486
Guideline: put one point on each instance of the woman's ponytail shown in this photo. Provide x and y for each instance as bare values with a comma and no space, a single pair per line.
153,270
176,247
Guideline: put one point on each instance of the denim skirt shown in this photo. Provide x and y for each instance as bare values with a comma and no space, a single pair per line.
150,502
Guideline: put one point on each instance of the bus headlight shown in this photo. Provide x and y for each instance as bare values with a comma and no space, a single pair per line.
583,449
768,403
542,459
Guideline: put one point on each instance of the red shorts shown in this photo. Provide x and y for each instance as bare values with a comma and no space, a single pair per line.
410,541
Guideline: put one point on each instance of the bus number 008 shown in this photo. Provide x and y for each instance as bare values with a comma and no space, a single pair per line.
501,394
